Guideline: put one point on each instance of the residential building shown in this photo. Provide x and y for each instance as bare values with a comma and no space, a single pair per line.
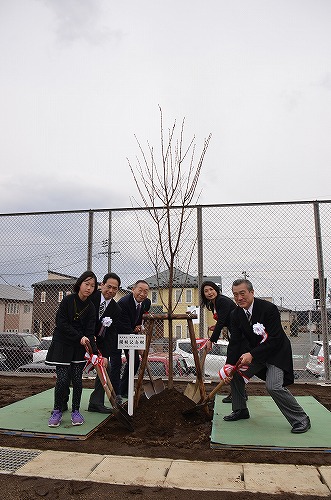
46,299
186,296
15,309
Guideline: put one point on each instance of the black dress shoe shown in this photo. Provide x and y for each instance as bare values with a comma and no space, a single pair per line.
301,427
99,408
237,415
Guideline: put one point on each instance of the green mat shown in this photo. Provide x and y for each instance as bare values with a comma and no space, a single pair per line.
29,418
267,427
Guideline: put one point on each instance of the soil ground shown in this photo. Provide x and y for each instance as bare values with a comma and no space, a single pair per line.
160,431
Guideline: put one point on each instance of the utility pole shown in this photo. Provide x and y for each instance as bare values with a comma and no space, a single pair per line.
105,244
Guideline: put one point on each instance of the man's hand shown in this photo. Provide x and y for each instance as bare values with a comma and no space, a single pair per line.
104,362
84,340
245,359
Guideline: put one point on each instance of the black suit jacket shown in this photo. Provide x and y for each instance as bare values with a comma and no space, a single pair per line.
112,311
127,321
276,350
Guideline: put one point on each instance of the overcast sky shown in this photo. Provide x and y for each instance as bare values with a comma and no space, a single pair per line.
80,77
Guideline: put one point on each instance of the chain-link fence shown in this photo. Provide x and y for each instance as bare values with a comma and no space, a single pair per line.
283,248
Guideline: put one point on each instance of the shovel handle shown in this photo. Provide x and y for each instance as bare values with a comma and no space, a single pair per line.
221,383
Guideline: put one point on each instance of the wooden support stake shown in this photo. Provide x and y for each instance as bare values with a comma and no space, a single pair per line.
197,362
149,333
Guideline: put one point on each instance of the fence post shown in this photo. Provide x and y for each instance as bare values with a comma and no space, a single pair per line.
109,239
320,265
90,240
200,268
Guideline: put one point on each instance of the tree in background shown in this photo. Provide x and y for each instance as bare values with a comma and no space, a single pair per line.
167,183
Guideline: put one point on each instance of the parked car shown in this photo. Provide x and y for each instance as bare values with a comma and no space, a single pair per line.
41,351
315,363
158,362
215,359
159,365
36,367
18,348
3,365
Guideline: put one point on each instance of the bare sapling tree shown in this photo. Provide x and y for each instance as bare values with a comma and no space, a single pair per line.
167,183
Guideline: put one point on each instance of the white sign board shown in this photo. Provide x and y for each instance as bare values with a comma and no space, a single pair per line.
132,342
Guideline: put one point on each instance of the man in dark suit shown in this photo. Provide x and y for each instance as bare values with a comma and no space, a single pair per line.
107,312
269,357
133,306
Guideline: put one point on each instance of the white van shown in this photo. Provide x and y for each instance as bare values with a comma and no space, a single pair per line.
215,359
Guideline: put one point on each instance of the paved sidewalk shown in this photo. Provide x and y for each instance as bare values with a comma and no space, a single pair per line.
167,473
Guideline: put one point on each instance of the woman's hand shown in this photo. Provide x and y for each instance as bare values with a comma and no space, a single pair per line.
209,345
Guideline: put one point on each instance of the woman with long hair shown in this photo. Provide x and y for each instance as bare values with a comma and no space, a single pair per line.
221,307
74,328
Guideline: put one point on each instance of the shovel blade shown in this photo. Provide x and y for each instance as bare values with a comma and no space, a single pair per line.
192,392
123,417
158,385
155,388
149,390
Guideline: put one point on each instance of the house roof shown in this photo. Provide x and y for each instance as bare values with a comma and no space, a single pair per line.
55,282
56,279
181,280
11,292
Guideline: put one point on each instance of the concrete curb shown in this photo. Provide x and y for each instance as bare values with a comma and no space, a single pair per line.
183,474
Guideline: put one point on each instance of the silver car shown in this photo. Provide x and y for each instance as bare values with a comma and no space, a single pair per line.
215,359
315,364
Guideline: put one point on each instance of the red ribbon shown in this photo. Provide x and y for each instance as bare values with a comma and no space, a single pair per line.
201,345
228,370
92,361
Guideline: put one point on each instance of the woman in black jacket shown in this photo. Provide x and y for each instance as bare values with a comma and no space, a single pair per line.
221,307
74,328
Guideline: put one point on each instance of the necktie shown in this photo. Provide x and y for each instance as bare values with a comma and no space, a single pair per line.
138,311
102,308
249,317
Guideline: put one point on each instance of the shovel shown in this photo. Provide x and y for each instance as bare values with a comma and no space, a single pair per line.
153,386
192,391
118,411
210,396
